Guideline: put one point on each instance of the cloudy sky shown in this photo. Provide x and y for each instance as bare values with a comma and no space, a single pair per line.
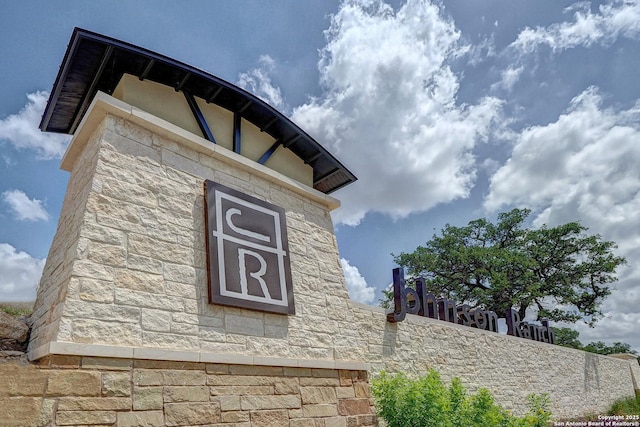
446,112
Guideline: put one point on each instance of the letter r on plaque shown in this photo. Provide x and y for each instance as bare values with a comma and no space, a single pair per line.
247,251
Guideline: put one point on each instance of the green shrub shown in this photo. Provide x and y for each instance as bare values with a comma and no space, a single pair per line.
628,406
426,401
16,309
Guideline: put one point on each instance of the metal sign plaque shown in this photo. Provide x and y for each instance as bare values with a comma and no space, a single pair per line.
247,251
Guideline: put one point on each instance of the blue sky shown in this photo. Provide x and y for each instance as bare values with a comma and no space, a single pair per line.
446,112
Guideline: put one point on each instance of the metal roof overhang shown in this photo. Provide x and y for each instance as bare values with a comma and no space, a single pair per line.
94,62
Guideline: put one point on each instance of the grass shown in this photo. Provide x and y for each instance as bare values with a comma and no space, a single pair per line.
629,406
17,309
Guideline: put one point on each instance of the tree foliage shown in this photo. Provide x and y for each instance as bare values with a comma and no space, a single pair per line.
568,337
561,271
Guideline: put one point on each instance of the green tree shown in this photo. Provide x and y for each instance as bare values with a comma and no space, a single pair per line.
568,337
601,348
561,271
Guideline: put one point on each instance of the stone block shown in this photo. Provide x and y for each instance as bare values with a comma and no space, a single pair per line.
228,403
241,390
147,377
302,422
184,377
74,383
18,381
287,386
85,268
362,389
167,364
319,410
322,382
147,398
335,422
107,312
193,413
125,191
216,369
140,419
269,418
186,394
139,281
297,372
69,418
144,264
354,406
318,395
111,255
180,289
20,411
104,332
345,392
184,328
165,251
179,273
283,401
116,384
94,404
255,370
151,300
244,325
96,290
155,320
47,414
107,363
235,417
362,420
238,380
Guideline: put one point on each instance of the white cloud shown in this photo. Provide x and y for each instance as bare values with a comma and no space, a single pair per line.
613,19
356,284
258,82
510,77
24,208
19,274
584,167
21,129
388,109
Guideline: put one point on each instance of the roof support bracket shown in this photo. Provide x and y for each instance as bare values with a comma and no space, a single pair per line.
268,125
263,159
245,106
147,69
313,158
275,146
197,114
182,82
237,133
215,94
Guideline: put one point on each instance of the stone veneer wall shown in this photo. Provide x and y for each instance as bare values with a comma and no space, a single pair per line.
577,382
126,278
81,391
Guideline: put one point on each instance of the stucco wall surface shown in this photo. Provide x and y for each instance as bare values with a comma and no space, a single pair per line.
127,277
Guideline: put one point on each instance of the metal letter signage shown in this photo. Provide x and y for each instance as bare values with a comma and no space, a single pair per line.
247,251
407,300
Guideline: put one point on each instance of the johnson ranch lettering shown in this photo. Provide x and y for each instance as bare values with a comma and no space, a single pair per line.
407,300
